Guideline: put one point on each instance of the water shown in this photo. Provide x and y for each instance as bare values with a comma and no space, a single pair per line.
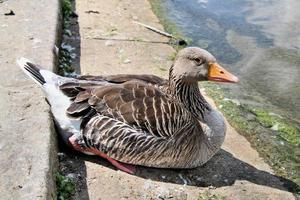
259,41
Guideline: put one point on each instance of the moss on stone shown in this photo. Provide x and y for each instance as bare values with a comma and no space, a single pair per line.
65,187
289,133
160,13
208,195
64,61
257,125
169,26
66,8
264,118
286,131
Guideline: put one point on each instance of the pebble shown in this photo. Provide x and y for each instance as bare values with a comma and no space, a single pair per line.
71,176
185,182
275,127
36,40
67,47
127,61
56,50
68,32
281,143
73,55
61,154
109,43
274,114
235,101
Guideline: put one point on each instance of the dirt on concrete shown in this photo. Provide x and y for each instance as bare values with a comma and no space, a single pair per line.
235,172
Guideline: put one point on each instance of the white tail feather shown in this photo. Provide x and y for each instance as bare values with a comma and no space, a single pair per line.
22,62
59,102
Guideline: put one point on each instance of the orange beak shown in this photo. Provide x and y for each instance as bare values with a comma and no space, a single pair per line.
219,74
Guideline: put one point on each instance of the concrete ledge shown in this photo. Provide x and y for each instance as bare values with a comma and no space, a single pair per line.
28,141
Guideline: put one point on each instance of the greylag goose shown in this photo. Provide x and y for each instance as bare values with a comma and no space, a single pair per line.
139,119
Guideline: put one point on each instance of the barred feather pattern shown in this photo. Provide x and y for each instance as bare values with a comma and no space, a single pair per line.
141,120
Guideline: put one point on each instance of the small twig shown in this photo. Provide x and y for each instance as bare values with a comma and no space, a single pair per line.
155,30
92,11
9,13
179,41
128,40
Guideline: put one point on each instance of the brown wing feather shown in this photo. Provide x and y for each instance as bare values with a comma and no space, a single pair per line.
119,141
136,102
122,78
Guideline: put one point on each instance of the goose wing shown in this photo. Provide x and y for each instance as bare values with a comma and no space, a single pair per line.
136,102
127,118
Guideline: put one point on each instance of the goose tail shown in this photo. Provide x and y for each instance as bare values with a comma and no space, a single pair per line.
38,75
31,70
59,102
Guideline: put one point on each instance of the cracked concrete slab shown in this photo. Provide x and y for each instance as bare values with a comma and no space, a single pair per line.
28,142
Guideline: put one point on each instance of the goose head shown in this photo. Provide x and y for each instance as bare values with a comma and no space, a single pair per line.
193,64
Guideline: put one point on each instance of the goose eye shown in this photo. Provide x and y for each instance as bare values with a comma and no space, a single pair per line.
198,61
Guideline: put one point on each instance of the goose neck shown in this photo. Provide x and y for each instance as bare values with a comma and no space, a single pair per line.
189,95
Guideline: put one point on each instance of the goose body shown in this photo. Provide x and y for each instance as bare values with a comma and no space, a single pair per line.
139,119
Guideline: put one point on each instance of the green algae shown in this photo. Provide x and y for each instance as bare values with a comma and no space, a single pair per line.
64,60
65,187
260,127
287,131
169,26
208,195
66,7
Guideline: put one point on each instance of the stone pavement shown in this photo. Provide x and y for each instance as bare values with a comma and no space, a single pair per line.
28,142
236,172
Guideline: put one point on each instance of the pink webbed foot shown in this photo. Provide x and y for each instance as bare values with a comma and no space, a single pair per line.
131,169
121,166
